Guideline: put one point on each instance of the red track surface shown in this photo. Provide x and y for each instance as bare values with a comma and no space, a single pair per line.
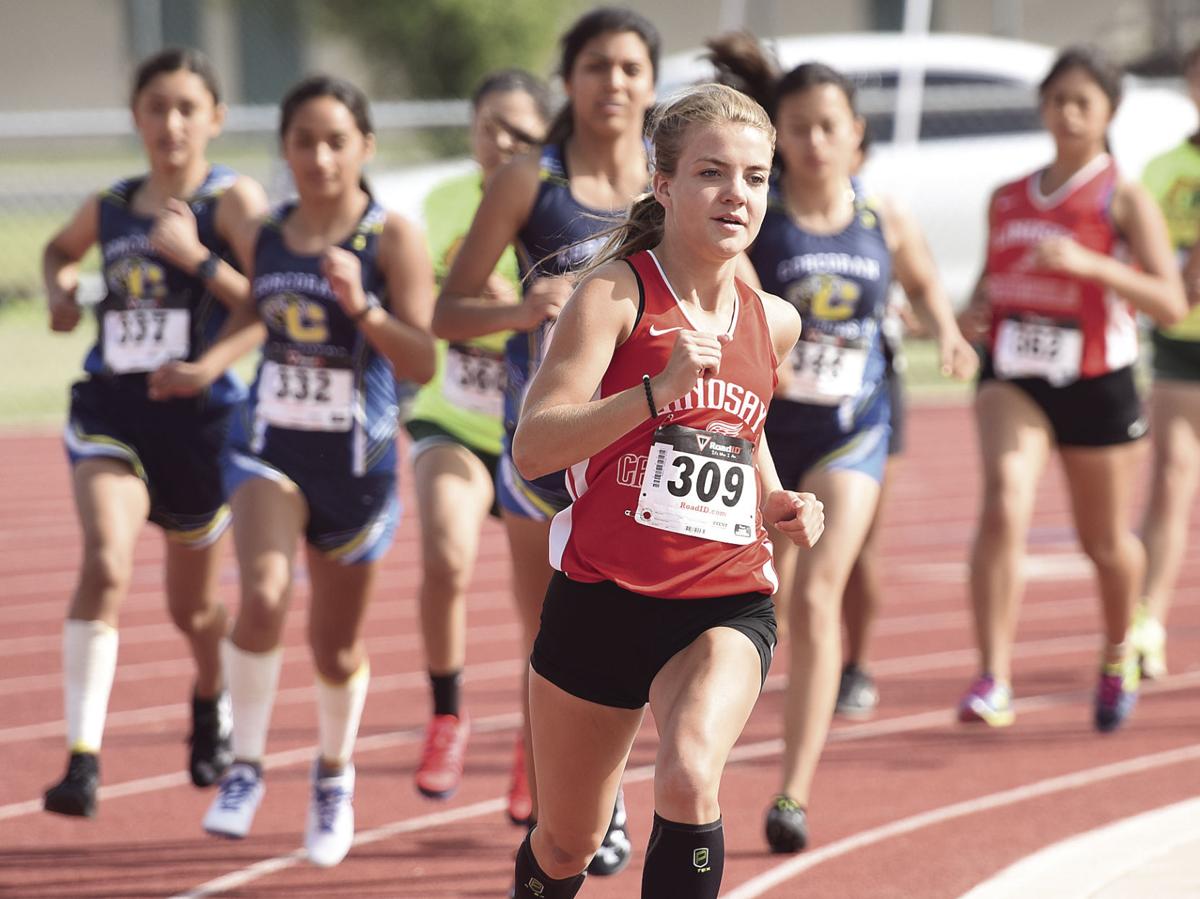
909,804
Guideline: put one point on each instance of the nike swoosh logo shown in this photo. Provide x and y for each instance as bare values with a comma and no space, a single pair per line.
655,332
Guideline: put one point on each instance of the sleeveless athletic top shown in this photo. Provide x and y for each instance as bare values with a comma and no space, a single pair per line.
323,398
153,312
839,283
1048,324
670,509
466,395
553,241
1173,179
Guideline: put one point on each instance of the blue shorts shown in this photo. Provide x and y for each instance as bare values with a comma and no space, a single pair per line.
538,500
173,446
805,438
350,519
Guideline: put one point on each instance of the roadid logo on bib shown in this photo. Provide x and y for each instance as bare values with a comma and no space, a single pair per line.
700,483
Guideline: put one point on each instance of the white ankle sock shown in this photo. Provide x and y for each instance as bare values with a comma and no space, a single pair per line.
252,678
339,710
89,651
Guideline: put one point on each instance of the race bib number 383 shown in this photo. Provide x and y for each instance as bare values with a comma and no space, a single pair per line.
1029,349
305,398
700,484
143,339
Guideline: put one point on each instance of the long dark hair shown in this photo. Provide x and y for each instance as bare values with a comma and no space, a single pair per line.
743,63
326,86
1094,64
705,104
176,59
603,20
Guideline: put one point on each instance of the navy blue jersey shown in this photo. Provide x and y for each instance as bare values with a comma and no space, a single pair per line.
839,283
323,399
153,312
559,237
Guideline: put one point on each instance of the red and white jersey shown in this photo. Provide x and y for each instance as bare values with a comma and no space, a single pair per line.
671,508
1049,324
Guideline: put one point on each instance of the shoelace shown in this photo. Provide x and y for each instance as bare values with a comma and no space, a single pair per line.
1110,689
79,770
329,800
442,740
234,791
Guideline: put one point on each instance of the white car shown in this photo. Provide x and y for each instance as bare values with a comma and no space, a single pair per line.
979,125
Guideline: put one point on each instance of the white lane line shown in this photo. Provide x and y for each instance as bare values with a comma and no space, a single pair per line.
477,636
302,755
749,752
1083,865
784,872
291,695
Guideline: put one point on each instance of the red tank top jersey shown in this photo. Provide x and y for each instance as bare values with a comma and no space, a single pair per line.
597,538
1085,316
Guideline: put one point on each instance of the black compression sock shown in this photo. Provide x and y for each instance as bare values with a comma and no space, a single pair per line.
684,861
446,689
532,882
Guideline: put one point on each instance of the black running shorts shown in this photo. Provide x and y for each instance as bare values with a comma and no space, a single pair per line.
606,644
1101,411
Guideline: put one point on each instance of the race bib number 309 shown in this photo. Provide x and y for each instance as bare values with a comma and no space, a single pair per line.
143,339
700,484
305,398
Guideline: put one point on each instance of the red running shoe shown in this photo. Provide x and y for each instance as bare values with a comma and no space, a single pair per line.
440,771
520,803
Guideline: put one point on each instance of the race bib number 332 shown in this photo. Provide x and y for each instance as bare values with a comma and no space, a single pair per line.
700,484
305,398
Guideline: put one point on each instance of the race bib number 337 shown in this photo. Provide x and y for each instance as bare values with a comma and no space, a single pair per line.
701,484
143,339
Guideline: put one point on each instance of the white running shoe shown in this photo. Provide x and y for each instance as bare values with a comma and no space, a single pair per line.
330,829
238,796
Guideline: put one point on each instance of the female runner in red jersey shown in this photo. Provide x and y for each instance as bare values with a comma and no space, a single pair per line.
653,396
1061,343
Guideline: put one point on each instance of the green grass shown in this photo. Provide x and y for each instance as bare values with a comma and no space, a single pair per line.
923,380
39,365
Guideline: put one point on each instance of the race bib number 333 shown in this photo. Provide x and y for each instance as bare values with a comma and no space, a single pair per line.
306,398
143,339
700,484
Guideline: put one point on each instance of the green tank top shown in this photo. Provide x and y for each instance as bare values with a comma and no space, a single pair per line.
466,394
1173,179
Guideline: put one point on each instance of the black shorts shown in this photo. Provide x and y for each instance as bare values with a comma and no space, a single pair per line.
1101,411
425,433
895,386
174,446
606,644
1176,360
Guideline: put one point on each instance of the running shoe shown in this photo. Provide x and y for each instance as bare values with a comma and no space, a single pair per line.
615,850
857,694
440,771
520,803
989,701
75,794
1150,643
787,825
1116,694
210,752
238,796
330,829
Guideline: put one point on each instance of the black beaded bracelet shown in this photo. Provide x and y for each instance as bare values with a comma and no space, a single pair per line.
649,396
